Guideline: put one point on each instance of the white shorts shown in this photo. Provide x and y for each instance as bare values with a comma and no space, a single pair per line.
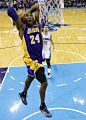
46,54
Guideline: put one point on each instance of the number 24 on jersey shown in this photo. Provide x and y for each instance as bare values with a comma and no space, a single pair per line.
34,39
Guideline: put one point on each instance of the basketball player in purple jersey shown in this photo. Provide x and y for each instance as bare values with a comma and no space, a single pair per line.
32,42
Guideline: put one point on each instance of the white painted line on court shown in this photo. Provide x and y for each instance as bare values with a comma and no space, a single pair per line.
38,86
3,80
22,83
63,37
11,89
8,70
72,52
68,63
61,85
77,80
81,38
83,28
23,55
13,61
71,28
12,77
56,109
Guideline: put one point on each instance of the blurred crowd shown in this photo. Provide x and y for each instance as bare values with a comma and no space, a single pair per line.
75,3
16,3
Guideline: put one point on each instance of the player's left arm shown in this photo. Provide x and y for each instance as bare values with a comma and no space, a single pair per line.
35,8
52,42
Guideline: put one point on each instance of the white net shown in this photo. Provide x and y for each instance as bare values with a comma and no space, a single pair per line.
50,10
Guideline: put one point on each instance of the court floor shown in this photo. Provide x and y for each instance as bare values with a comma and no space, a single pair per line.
65,95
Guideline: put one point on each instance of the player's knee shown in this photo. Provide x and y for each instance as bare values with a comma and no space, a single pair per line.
40,76
29,80
44,84
49,66
43,60
48,63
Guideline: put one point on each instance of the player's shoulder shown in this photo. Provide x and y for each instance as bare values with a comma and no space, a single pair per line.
49,34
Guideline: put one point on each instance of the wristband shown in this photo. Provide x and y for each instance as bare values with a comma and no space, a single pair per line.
12,13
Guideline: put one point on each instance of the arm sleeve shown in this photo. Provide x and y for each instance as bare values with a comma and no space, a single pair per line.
12,13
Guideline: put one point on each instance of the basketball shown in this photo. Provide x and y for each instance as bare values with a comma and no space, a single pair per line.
20,15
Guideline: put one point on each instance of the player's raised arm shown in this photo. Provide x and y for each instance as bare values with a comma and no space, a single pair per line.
35,8
12,13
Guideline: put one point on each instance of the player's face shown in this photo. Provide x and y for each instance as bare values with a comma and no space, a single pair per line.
29,19
45,28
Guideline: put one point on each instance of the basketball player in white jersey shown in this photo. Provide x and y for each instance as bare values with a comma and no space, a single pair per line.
46,53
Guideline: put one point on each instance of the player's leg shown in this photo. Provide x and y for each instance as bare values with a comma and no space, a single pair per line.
40,76
43,60
23,94
48,58
28,81
49,67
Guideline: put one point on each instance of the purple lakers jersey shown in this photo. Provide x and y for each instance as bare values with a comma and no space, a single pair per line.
33,43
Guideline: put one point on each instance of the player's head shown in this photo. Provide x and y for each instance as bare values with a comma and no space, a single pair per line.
29,19
46,28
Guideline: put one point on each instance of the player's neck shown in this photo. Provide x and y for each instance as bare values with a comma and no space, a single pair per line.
45,33
32,26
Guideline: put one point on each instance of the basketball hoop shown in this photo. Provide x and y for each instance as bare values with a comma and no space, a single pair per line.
49,11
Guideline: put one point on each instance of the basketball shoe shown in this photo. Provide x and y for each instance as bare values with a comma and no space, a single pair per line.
23,98
45,111
48,75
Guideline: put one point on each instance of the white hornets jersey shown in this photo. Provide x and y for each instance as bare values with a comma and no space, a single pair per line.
46,53
46,41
